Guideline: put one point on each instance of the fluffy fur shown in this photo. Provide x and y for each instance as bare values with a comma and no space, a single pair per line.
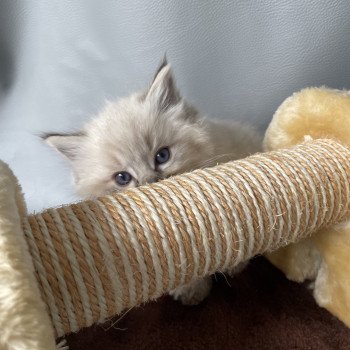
317,112
24,321
322,258
128,133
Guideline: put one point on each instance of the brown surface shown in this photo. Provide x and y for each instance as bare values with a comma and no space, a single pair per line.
261,310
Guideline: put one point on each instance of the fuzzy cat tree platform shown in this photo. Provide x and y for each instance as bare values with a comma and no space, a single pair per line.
70,267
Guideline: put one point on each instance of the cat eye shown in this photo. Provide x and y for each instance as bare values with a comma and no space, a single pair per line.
123,178
162,156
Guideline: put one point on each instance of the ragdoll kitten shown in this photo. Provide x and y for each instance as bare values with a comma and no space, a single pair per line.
149,136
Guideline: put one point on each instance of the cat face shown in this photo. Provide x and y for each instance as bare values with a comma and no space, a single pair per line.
136,140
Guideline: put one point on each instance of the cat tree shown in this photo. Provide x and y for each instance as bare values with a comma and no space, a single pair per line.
70,267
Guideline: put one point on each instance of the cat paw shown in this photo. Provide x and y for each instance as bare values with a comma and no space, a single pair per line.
194,292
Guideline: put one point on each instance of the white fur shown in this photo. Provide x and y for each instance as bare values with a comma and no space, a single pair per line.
127,134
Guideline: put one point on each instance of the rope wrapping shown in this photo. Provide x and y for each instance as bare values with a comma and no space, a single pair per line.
97,258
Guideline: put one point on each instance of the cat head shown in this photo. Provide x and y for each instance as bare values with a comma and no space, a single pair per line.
136,140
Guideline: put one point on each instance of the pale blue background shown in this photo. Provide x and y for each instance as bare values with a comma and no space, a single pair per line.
60,59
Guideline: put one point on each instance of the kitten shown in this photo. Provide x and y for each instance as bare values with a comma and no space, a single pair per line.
149,136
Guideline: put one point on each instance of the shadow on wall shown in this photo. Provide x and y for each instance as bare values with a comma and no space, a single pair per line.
10,25
6,69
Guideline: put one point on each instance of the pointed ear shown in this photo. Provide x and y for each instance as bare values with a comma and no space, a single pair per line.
66,144
163,90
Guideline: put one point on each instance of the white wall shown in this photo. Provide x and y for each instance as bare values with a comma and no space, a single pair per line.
60,59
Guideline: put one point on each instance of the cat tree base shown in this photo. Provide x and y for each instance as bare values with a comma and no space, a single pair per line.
70,267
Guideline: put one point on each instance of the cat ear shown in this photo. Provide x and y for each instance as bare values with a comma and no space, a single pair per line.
163,90
66,144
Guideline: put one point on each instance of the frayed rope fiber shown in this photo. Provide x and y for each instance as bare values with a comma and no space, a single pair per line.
97,258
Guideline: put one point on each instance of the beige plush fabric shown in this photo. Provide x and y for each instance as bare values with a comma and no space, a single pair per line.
324,257
24,322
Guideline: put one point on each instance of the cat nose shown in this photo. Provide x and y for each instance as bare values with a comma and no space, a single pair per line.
152,180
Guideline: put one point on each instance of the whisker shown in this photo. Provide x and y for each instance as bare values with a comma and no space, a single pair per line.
225,277
112,325
211,160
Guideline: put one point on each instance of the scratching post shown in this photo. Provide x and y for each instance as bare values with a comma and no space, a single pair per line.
97,258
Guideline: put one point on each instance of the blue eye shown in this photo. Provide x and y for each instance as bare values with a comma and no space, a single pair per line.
162,156
123,178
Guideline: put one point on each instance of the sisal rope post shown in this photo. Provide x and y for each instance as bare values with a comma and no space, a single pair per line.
97,258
